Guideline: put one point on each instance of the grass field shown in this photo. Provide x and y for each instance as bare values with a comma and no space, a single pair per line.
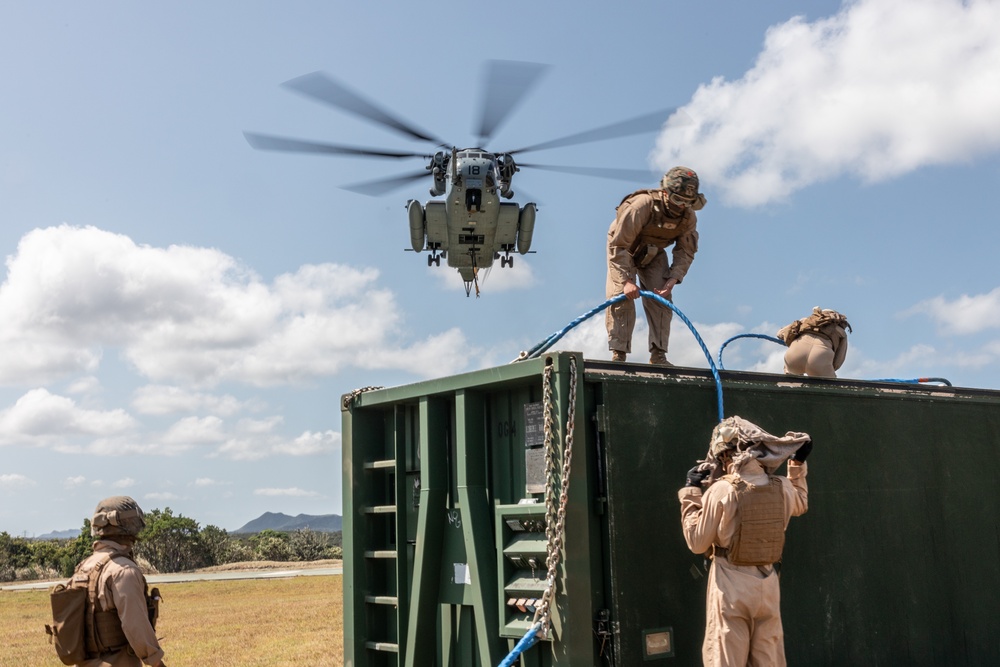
246,623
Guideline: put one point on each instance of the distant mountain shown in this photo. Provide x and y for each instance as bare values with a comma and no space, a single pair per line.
325,523
60,535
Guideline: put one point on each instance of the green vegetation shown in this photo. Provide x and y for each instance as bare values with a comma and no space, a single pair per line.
169,543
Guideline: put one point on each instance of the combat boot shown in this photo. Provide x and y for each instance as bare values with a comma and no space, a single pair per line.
617,355
659,358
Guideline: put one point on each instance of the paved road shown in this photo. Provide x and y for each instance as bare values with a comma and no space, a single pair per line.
203,576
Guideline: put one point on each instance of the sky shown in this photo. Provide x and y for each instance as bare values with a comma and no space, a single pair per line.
180,314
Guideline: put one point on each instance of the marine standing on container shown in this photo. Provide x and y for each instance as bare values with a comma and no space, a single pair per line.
647,223
817,344
124,634
739,522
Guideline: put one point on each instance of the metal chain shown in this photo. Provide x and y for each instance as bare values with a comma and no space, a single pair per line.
349,398
555,519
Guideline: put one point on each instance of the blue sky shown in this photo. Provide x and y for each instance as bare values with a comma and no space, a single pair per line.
180,314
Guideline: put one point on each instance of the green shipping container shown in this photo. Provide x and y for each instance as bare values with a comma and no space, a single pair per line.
897,561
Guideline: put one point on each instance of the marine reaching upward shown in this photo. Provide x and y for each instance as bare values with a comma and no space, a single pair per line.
739,522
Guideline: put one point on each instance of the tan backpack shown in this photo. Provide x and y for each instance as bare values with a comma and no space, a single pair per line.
69,614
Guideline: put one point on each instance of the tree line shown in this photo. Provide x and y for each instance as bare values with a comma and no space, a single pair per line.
168,543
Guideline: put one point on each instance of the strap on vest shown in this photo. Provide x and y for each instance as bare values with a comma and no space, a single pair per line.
103,629
642,256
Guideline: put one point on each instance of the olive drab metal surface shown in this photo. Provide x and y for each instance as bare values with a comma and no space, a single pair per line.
445,546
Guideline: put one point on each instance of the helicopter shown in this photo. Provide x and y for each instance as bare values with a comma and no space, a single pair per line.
471,227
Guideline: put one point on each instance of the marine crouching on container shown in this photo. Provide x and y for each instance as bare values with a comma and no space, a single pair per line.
817,344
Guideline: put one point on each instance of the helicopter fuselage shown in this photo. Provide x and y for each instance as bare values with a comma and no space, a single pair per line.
471,227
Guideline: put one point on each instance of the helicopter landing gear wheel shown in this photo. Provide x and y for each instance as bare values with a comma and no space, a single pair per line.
506,261
434,260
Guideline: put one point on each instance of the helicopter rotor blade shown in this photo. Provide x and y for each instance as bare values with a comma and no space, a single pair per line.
267,142
505,84
649,122
384,185
632,175
320,87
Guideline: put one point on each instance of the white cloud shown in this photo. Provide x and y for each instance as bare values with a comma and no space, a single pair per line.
259,426
124,483
254,439
85,385
685,349
75,481
310,443
157,399
964,315
879,89
195,316
42,418
191,431
432,357
15,481
209,482
908,364
292,492
161,496
247,440
494,279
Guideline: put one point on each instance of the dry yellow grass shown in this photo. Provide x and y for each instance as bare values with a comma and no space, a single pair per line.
248,623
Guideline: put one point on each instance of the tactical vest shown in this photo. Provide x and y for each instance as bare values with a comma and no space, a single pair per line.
760,532
81,630
660,231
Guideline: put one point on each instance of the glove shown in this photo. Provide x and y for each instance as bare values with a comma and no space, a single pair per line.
802,452
696,476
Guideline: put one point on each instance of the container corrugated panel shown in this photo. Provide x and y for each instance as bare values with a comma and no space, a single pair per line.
896,561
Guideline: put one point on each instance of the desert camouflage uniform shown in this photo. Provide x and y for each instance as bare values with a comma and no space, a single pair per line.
644,228
121,586
743,607
820,347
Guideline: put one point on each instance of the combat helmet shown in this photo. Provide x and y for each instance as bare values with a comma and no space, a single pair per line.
681,184
116,516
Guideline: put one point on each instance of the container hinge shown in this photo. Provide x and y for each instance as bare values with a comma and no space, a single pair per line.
600,418
604,631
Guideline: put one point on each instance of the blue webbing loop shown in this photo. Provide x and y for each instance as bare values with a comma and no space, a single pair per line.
781,342
747,335
540,348
914,380
526,642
